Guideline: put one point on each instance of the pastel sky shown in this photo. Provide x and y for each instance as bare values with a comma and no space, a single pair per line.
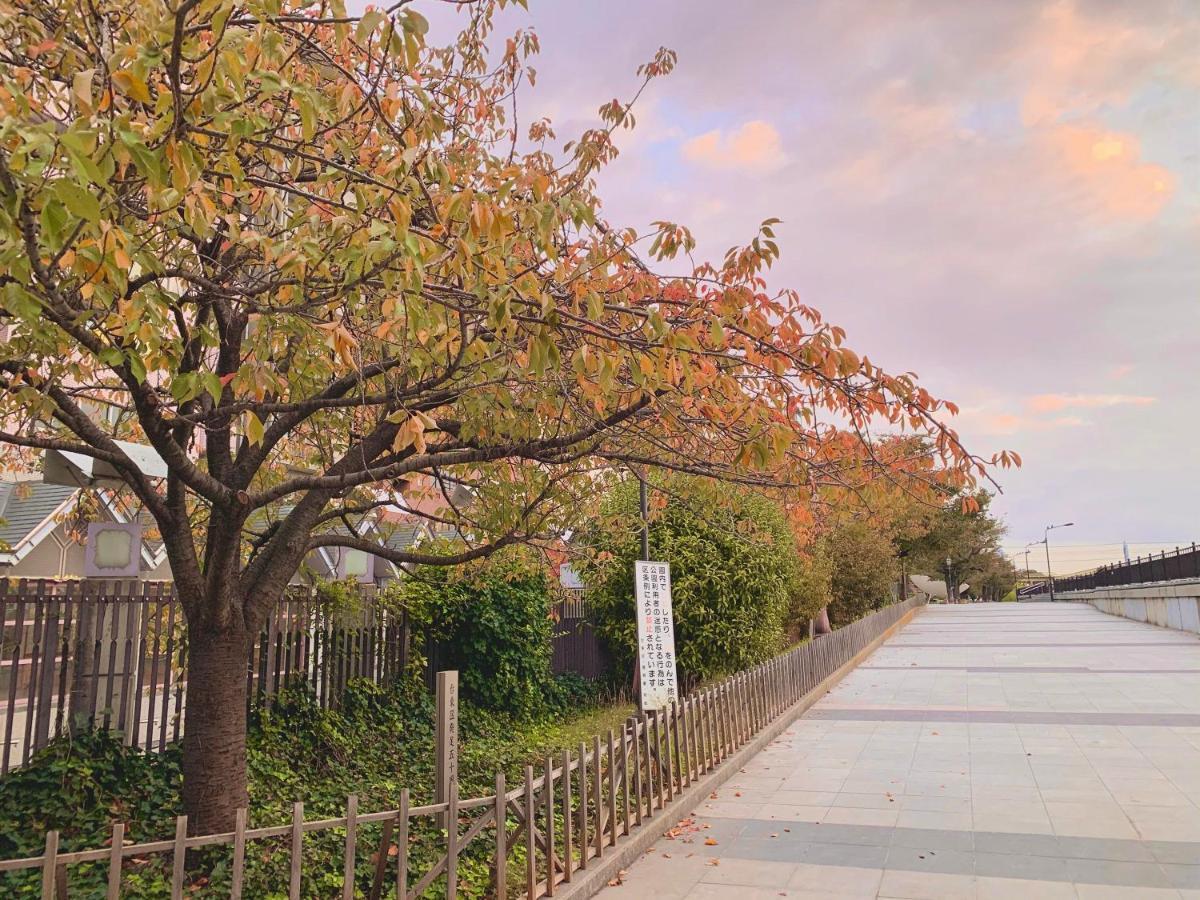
1001,195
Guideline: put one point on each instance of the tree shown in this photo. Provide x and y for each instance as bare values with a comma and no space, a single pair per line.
814,588
309,259
865,569
735,571
969,536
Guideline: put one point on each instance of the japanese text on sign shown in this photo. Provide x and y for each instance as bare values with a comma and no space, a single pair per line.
656,634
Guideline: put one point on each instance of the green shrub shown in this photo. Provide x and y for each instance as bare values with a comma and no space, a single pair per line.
864,569
734,572
492,622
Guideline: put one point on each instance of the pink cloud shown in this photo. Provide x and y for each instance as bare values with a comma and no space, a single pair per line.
1007,423
1119,372
1048,403
1109,167
755,146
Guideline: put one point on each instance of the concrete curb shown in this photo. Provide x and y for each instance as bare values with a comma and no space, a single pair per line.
601,871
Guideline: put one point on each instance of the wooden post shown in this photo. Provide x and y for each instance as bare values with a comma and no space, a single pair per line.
612,792
500,867
598,795
625,776
297,850
350,851
452,831
548,792
446,772
530,836
49,865
568,817
645,722
637,770
583,801
179,854
114,864
402,847
239,856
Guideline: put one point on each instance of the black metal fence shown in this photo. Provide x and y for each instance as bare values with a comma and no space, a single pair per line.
1181,563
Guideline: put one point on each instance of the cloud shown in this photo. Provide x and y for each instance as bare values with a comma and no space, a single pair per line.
1107,165
1048,403
998,424
1119,372
755,146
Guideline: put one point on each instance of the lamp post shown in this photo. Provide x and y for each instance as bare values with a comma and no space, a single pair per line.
1028,577
1046,541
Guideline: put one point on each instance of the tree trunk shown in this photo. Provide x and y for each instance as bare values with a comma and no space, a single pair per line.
214,737
822,623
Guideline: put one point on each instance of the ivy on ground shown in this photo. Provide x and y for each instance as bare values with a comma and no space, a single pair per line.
380,741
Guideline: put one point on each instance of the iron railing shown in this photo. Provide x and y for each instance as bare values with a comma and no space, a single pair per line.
1182,563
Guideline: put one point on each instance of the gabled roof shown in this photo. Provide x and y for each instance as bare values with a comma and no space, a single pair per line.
27,507
30,510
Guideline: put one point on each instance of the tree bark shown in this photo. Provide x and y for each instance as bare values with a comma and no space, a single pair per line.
214,737
822,622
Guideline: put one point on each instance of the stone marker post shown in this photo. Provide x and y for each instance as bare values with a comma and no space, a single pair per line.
446,771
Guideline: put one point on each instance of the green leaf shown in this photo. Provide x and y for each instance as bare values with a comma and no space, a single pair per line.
78,201
367,24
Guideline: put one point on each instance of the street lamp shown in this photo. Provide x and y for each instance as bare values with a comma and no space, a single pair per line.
1026,552
1046,541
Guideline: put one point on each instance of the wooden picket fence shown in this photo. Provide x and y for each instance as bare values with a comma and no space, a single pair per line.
110,654
565,815
113,655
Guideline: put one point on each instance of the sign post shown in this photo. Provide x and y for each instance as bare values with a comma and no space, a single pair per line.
656,635
446,773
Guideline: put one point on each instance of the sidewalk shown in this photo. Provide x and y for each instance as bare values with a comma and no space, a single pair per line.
993,751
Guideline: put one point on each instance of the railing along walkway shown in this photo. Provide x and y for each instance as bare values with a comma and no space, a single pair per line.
556,823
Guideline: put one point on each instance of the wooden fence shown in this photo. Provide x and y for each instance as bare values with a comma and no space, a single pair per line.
78,655
564,816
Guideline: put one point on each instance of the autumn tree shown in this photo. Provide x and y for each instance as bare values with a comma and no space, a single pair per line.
309,258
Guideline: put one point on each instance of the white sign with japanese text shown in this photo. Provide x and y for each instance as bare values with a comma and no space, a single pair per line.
656,634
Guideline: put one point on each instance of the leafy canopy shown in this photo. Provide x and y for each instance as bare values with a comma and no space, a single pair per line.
311,260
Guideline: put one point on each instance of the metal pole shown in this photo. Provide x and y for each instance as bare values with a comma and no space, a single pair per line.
645,508
1049,574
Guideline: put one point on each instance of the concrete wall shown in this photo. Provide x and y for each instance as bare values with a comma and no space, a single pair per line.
1172,604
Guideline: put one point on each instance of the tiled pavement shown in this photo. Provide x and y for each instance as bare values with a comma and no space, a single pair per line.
986,751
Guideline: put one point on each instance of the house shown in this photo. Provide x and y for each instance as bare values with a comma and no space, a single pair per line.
37,539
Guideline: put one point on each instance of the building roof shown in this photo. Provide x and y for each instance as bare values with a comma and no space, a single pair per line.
402,536
24,505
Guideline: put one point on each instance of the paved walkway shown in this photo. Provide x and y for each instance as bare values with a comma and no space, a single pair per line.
993,751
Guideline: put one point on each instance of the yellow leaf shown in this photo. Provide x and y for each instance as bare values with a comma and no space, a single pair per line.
254,429
81,87
131,85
